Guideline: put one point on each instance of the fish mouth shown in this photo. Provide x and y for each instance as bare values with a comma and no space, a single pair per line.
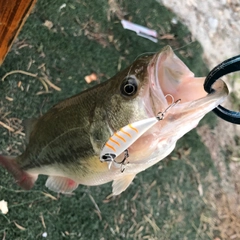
171,80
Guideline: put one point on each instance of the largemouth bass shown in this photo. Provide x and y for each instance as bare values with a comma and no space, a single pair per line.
65,143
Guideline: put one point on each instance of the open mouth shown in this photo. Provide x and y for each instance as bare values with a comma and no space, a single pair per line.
175,78
171,80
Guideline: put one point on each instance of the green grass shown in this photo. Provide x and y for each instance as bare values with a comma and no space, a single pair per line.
163,202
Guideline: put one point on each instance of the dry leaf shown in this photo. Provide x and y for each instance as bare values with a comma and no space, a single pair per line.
168,36
4,207
48,24
90,78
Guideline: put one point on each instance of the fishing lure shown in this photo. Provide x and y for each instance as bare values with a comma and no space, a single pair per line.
121,140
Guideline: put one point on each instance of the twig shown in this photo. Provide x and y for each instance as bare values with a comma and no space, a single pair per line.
19,71
43,222
43,83
51,84
7,127
94,203
44,80
153,224
4,235
27,202
49,195
19,226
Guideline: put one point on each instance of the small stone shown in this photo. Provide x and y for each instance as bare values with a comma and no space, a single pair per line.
213,23
4,207
174,21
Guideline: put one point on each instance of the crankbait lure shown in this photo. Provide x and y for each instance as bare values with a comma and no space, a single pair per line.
121,140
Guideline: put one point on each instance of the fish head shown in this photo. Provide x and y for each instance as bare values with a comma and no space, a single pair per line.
171,80
149,86
152,83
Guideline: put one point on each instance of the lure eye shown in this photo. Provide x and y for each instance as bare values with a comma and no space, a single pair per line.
129,86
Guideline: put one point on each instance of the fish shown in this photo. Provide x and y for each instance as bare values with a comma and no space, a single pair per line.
66,142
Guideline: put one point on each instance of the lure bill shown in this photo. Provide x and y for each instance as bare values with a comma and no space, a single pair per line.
121,140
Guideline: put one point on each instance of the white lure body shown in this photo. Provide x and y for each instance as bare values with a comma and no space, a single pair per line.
121,140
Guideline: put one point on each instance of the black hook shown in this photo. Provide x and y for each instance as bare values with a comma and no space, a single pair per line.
224,68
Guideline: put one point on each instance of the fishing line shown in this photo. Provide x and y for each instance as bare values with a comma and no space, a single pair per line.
143,54
185,45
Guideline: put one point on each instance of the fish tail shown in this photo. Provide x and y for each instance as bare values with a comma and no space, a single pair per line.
23,179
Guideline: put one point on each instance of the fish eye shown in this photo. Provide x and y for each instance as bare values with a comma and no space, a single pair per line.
129,86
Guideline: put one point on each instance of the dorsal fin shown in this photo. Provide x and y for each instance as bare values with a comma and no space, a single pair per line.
28,125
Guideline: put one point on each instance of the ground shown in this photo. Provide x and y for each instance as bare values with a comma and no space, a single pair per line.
216,25
184,197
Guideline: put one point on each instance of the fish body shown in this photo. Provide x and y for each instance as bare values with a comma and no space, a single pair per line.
65,143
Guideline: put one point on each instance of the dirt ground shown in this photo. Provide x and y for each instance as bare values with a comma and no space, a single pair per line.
216,25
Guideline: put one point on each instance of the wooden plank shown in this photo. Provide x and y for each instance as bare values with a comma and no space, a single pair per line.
13,14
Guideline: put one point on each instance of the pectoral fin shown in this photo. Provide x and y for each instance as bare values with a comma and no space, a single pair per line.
61,184
121,184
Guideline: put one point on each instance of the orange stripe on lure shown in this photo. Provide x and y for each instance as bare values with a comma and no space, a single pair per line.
114,147
119,136
133,128
112,140
110,146
125,132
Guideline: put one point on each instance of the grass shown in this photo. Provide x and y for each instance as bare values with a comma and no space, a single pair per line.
164,202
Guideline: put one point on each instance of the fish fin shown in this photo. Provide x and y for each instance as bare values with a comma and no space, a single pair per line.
121,184
23,179
28,125
61,184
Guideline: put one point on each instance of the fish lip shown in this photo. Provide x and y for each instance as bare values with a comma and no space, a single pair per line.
158,99
157,60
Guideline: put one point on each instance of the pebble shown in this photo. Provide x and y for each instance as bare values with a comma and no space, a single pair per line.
213,23
44,234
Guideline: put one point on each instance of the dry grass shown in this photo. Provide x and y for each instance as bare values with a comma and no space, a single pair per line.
224,193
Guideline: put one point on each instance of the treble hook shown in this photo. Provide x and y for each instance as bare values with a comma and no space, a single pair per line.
161,115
